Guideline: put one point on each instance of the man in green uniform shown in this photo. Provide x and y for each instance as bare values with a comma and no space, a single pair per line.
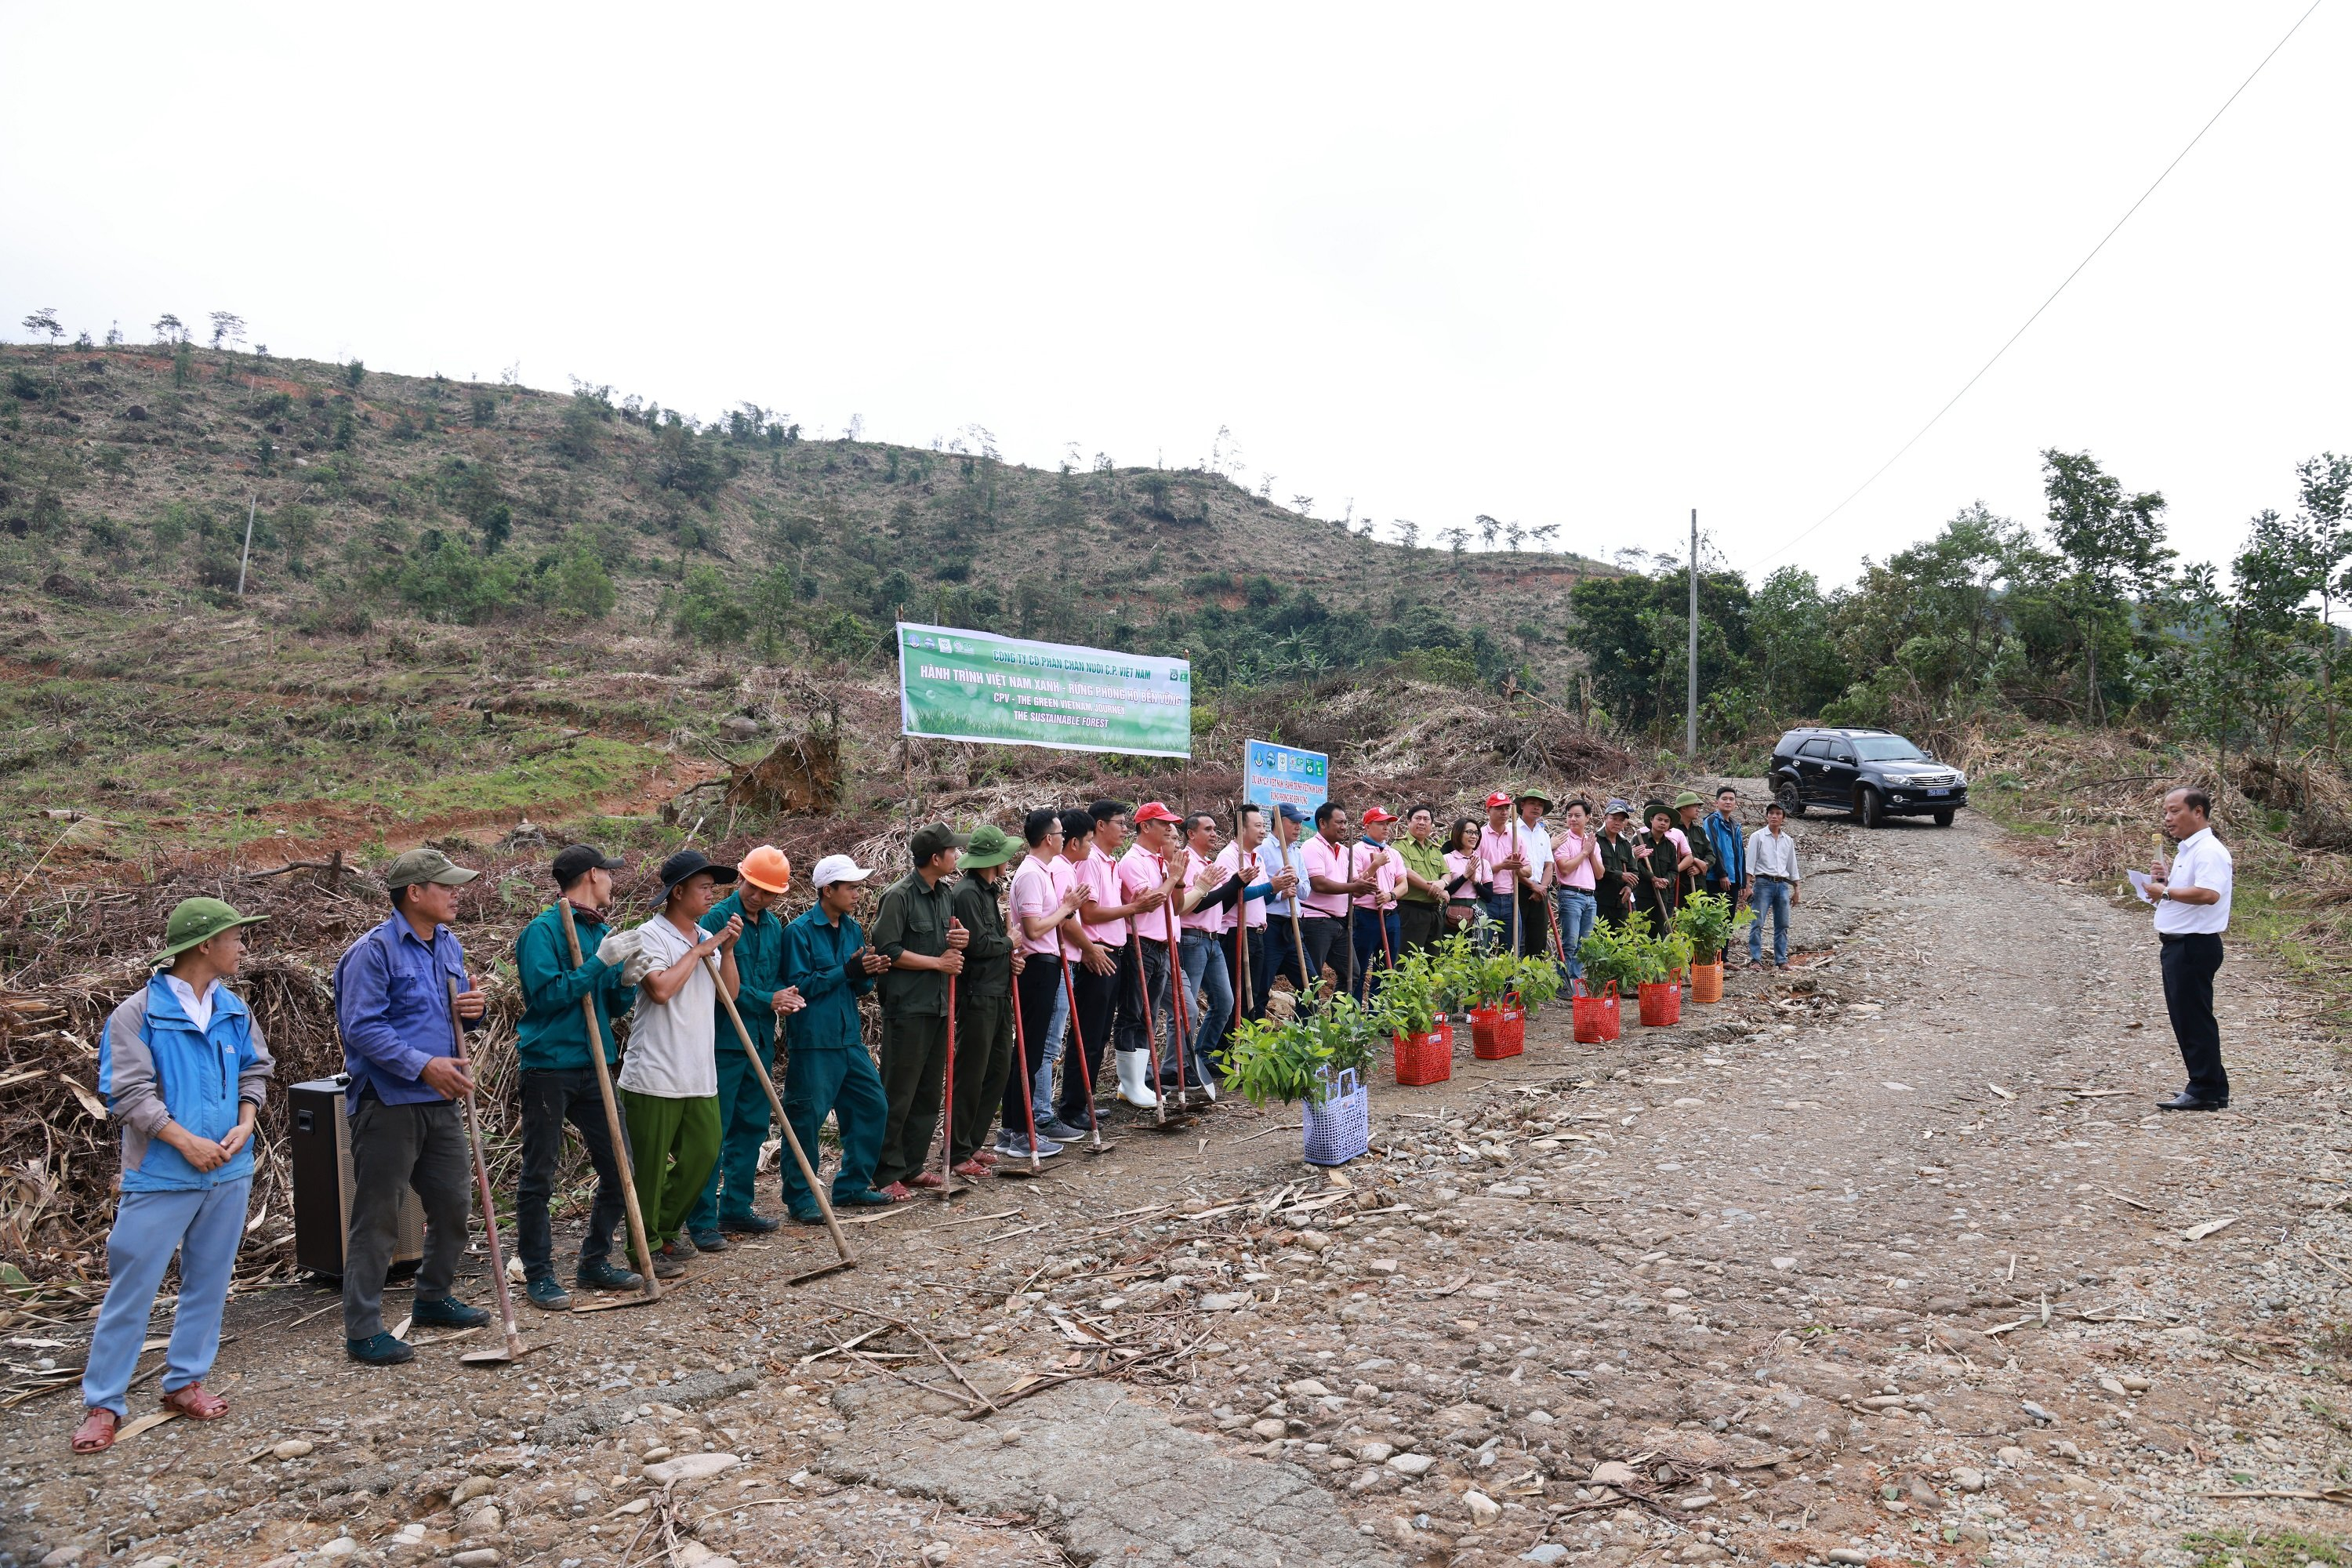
984,1045
743,1113
916,930
826,1067
1689,807
1613,889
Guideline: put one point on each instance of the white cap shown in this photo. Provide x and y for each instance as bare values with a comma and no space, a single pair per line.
838,869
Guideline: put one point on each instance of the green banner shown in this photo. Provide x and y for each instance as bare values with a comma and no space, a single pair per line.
956,685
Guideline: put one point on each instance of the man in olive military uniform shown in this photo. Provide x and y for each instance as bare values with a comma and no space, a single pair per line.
916,930
984,1045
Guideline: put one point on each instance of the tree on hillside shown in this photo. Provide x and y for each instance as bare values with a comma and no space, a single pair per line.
1457,539
2251,649
1632,631
2320,535
227,327
1929,633
1408,533
1792,645
1487,528
1544,536
2111,553
169,329
45,320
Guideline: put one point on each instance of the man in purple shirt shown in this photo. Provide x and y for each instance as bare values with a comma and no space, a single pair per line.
392,1007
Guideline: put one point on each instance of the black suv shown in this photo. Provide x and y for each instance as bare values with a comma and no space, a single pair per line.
1874,773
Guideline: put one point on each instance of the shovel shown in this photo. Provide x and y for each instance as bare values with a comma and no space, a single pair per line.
514,1349
650,1288
846,1259
1028,1093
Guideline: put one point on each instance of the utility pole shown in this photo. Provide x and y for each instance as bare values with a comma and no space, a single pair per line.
1690,712
250,508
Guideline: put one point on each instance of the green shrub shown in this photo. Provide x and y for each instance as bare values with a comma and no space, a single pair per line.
579,587
707,611
485,410
353,373
1706,922
452,582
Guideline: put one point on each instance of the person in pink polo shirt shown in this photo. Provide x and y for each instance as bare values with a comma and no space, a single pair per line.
1246,859
1576,863
1144,880
1208,900
1334,875
1379,934
1045,903
1500,860
1093,948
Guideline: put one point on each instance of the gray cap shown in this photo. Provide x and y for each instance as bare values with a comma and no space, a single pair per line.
1618,806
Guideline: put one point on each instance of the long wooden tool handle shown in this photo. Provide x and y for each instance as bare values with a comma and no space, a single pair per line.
482,1181
1078,1043
614,1132
775,1104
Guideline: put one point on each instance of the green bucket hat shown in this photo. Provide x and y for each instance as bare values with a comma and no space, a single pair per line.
195,921
991,846
415,866
1532,792
1688,798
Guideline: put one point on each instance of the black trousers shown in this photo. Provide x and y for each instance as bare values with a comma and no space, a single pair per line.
1035,991
1420,923
1261,979
421,1146
1142,1023
1098,1002
550,1100
2191,962
1329,941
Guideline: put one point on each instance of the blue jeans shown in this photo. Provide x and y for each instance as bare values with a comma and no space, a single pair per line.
1047,1049
1773,896
1202,958
204,1227
1497,909
1577,912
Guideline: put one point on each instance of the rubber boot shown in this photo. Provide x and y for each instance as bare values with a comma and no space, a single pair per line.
1134,1071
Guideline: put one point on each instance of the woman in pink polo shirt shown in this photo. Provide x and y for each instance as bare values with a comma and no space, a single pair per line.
1575,862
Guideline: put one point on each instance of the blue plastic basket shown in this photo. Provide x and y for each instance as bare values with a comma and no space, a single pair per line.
1338,1124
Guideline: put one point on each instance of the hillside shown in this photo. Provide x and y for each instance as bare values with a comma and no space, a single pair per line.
126,476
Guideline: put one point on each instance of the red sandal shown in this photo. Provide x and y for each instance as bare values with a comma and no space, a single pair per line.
96,1433
194,1402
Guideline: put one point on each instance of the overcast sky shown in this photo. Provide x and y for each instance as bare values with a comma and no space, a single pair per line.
1583,266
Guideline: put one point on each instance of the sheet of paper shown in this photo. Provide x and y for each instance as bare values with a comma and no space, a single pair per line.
2139,885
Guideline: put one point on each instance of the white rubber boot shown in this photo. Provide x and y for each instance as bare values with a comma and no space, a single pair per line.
1134,1072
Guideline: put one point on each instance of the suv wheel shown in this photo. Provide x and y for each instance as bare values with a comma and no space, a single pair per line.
1943,818
1790,800
1868,808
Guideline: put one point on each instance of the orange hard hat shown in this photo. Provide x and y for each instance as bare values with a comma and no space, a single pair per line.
767,868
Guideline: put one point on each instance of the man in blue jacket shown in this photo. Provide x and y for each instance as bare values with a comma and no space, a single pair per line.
826,1067
184,1069
392,1007
559,1081
1727,871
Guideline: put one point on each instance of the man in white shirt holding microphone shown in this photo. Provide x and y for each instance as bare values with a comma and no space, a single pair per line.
2193,910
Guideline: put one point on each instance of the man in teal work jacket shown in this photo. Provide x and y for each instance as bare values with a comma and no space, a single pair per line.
743,1113
828,1068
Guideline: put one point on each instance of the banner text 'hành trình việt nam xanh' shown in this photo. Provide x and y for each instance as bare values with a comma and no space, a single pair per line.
956,685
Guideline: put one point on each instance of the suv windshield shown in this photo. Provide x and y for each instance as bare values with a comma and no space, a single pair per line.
1887,748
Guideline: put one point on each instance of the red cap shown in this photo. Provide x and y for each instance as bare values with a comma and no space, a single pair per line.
1374,813
1153,811
1500,797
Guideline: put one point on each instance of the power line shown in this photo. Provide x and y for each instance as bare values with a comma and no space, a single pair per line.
2045,304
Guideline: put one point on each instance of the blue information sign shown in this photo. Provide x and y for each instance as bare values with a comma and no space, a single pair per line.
1274,775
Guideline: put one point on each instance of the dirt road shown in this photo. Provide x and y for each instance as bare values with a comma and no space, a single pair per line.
1888,1258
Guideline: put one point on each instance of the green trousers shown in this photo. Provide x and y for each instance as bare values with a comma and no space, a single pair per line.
983,1060
914,1060
743,1120
673,1143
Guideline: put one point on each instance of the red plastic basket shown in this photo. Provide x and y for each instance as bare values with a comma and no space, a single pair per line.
1425,1059
1662,1004
1596,1016
1498,1032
